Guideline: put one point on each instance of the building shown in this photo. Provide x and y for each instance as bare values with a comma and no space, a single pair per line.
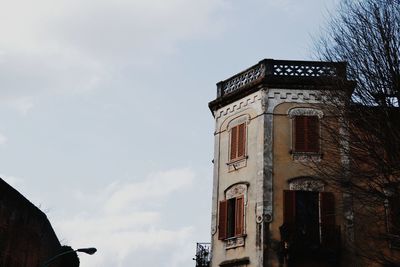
26,236
269,208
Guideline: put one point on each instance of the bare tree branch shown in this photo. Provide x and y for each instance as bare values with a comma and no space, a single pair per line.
364,129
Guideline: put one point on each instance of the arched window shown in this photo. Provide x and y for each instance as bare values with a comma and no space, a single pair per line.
309,213
231,222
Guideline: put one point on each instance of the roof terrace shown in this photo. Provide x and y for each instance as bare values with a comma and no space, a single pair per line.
270,73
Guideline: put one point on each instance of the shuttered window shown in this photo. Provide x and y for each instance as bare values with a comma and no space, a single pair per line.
306,134
239,216
322,206
327,203
222,222
231,218
289,206
238,142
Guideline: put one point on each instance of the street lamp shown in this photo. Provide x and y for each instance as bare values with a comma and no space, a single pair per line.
89,251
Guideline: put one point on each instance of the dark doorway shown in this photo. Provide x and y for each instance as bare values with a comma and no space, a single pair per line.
307,220
309,230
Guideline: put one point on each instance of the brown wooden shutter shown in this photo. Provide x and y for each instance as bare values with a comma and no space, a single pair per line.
300,133
241,140
312,131
329,235
234,135
223,217
306,134
289,207
239,216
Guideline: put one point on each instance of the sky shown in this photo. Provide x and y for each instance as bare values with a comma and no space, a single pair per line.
104,118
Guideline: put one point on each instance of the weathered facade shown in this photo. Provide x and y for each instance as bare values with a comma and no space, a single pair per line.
265,199
26,236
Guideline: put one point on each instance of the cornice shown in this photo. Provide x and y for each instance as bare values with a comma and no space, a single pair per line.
238,106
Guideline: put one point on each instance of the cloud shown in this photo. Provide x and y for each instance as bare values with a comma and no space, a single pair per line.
126,231
74,47
22,104
3,139
154,187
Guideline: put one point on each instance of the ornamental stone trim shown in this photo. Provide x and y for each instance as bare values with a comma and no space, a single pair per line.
237,106
306,156
281,69
236,165
305,112
239,120
234,242
291,95
236,190
246,78
306,184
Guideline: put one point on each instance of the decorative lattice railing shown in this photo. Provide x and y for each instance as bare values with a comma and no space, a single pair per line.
203,254
284,69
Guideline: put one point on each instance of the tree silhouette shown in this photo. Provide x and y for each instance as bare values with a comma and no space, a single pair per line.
363,130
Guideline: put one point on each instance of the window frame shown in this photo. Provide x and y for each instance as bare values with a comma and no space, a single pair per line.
305,154
238,192
237,142
328,230
310,134
231,218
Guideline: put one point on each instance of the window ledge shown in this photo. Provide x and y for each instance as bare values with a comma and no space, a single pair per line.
306,156
234,242
236,164
235,262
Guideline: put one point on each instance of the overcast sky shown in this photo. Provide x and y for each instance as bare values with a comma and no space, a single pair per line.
104,117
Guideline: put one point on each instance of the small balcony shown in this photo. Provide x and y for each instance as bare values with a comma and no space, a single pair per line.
203,254
311,250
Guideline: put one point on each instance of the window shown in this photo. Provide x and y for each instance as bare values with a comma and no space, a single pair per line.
306,134
232,214
309,218
231,218
238,142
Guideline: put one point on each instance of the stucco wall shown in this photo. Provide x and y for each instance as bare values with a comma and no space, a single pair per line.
269,167
225,176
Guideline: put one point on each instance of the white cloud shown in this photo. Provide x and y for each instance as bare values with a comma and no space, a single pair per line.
22,104
75,46
3,139
123,229
117,247
153,188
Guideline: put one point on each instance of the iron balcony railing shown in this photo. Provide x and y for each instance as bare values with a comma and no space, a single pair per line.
295,246
203,254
